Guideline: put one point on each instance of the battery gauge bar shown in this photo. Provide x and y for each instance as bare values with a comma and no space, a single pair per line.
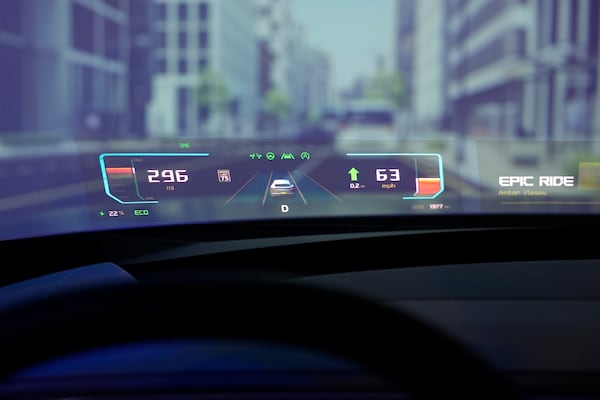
120,177
428,177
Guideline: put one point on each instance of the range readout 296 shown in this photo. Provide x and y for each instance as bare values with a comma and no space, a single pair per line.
142,178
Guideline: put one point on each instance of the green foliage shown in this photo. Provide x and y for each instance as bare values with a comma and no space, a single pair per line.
571,165
389,86
212,90
437,145
276,104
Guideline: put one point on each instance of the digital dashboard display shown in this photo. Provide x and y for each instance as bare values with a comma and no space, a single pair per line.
265,182
208,182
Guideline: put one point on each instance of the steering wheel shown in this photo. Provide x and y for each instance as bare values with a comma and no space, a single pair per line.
407,353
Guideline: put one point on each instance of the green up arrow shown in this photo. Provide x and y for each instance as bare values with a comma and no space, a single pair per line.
353,174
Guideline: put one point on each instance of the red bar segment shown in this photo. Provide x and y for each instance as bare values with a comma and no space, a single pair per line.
126,170
428,186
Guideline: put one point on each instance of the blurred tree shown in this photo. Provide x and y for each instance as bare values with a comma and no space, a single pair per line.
276,105
388,86
211,91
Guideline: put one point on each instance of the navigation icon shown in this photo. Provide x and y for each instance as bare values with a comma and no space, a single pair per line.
353,172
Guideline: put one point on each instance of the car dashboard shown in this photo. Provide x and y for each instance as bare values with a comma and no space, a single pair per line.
299,199
528,320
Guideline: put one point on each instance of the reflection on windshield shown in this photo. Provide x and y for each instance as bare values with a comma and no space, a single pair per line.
87,77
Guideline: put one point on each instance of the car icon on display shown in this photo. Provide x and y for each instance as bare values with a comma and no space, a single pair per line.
281,187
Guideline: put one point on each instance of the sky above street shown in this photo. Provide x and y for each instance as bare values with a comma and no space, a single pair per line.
353,33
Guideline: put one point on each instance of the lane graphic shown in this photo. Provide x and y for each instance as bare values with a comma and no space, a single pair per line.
275,187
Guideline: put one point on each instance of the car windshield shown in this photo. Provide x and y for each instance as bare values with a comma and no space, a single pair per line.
284,184
134,113
299,199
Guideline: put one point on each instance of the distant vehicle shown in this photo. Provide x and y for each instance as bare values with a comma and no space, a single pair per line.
281,187
329,122
324,129
367,126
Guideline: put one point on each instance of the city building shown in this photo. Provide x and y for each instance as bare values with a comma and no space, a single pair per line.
308,80
141,67
12,45
490,50
299,73
64,67
317,95
274,29
429,71
404,54
522,68
566,74
404,44
206,60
